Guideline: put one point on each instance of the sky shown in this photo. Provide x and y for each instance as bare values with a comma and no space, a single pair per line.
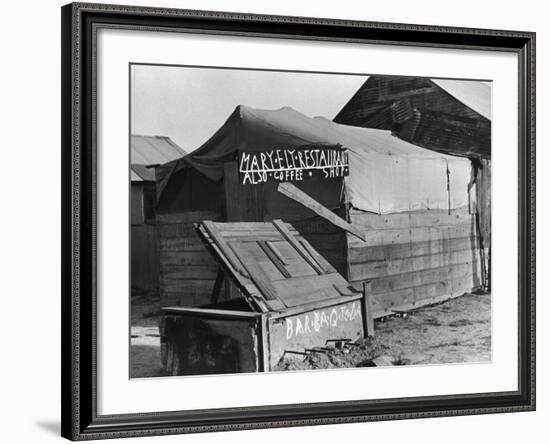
189,104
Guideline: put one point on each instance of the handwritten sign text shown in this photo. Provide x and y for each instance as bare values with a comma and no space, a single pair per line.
322,319
287,165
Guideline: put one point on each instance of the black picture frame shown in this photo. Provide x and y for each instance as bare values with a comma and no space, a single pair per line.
79,396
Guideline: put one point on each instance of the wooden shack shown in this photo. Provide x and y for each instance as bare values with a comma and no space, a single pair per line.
444,115
414,209
145,153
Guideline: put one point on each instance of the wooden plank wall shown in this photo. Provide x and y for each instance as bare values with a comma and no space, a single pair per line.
144,259
187,270
414,259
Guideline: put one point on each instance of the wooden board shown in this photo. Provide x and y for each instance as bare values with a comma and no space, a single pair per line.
434,218
232,264
186,217
298,195
414,258
301,290
410,234
186,258
406,299
191,243
186,272
417,278
184,230
399,251
376,269
186,293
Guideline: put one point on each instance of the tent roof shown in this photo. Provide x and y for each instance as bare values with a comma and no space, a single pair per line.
475,95
387,174
261,130
151,150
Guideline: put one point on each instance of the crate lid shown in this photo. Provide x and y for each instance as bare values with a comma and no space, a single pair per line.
273,265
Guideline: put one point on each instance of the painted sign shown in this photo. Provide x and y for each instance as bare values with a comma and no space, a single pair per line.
314,322
314,328
289,165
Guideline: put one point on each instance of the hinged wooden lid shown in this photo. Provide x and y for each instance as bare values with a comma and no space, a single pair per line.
273,265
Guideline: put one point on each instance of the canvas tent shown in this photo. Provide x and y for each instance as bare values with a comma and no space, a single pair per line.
413,206
387,174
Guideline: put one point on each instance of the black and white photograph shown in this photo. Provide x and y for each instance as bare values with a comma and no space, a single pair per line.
298,221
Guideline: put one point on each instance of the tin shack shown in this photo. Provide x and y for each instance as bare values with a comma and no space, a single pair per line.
145,153
376,207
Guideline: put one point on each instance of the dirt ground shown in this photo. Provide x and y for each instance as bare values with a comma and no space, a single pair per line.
458,330
145,359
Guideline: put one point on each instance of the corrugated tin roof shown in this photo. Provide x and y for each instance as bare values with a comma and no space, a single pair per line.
151,150
476,95
142,172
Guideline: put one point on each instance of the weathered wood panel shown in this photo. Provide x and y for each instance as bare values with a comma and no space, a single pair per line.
190,244
414,258
411,234
374,269
416,278
398,251
187,270
144,259
186,216
426,218
183,230
409,298
186,293
189,258
192,286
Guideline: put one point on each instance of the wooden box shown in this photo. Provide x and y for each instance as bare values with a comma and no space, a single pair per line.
285,298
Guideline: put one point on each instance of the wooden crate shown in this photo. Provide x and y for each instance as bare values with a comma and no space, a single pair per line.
296,300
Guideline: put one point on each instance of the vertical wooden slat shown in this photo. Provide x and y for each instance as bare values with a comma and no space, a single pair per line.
264,344
368,312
